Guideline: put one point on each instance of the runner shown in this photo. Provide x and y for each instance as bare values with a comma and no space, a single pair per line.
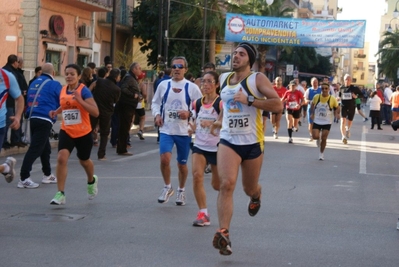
276,117
245,94
293,100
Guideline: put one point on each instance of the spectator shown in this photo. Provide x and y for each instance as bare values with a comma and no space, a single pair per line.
38,72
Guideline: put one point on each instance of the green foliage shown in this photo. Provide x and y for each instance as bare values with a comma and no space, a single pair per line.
389,51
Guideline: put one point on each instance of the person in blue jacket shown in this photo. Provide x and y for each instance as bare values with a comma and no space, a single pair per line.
40,126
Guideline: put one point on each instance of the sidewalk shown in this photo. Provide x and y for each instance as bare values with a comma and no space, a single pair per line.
149,126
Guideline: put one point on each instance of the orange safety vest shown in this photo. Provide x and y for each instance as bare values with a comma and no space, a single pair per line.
75,119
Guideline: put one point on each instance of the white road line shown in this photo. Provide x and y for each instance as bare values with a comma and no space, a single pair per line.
382,174
363,152
145,154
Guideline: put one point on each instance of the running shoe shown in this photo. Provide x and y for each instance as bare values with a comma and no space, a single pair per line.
27,183
208,168
310,139
275,136
165,194
365,119
202,219
181,198
140,135
294,129
253,206
92,189
344,140
290,141
9,176
299,123
222,242
51,179
321,156
59,199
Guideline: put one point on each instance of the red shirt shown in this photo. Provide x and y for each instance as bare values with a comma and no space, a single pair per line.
280,91
292,99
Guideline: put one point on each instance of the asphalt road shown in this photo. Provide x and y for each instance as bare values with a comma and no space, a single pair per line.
338,212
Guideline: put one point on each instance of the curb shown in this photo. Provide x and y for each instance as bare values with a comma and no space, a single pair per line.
54,143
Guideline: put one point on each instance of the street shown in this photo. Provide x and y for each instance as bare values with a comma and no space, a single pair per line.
338,212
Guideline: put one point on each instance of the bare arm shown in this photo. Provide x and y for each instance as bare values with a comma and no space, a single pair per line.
19,108
88,104
272,102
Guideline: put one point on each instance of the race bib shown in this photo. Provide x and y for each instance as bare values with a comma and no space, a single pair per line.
346,96
172,115
71,116
239,124
292,105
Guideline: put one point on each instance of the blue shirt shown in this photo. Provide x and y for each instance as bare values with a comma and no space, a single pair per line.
14,91
48,98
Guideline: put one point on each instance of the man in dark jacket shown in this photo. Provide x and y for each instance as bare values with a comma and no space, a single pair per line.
40,126
106,93
126,106
14,65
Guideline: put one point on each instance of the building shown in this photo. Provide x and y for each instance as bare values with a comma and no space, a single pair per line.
64,32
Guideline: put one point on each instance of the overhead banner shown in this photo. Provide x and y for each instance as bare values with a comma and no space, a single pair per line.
295,32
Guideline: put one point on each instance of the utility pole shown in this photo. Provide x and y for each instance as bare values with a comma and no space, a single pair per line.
204,33
160,35
113,32
166,37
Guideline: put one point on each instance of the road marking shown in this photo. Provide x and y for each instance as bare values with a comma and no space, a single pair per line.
382,174
141,155
363,153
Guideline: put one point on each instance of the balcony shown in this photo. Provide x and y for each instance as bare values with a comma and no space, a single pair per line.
89,5
124,20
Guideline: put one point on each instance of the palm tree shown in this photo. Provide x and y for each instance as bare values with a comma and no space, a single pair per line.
192,15
277,9
388,52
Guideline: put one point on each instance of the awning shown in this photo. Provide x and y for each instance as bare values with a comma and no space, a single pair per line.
306,74
85,51
55,47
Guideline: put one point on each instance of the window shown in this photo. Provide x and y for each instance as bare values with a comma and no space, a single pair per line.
82,61
54,58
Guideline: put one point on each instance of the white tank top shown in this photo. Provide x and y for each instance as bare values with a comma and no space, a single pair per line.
242,124
204,140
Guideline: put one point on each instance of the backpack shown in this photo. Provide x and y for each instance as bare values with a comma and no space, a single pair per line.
165,97
318,101
216,105
4,94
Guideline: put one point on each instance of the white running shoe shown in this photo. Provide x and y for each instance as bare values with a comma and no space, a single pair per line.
51,179
321,156
181,198
9,176
27,183
275,136
310,138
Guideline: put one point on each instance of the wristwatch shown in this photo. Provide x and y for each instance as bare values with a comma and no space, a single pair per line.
250,100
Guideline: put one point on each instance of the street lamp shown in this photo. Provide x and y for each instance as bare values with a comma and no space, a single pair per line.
396,12
389,29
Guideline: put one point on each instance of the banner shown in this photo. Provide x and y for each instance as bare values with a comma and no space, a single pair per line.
295,32
223,56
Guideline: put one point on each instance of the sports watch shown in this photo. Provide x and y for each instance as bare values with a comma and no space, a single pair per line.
250,100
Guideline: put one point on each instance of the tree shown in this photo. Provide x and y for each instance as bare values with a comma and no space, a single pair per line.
387,52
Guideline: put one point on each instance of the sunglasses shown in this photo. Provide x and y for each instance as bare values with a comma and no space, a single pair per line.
178,66
207,81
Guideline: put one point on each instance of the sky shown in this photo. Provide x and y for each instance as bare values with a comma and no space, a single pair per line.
371,11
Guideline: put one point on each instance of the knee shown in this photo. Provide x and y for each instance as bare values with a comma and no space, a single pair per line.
215,184
251,191
198,177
